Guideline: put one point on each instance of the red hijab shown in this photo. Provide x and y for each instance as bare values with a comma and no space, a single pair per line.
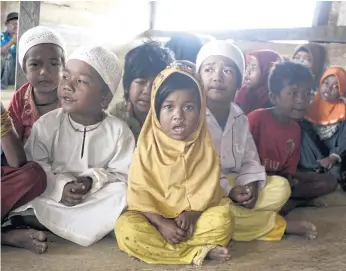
252,99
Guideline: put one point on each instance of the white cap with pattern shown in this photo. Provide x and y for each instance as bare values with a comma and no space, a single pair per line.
35,36
221,48
103,61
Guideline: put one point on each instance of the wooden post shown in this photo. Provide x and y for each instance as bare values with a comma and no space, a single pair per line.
322,13
29,17
152,14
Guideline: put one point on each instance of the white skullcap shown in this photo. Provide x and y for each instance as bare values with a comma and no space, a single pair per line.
35,36
103,61
221,48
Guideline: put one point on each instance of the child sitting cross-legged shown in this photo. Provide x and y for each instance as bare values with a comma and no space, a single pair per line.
84,151
278,136
178,213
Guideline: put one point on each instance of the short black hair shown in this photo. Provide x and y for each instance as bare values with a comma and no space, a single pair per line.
288,73
144,61
172,83
185,46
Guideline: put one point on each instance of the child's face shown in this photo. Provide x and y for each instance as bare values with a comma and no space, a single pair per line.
140,91
293,100
303,58
12,26
219,78
252,73
329,89
43,65
179,114
80,89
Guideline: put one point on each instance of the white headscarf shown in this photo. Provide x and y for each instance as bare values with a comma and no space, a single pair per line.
103,61
35,36
221,48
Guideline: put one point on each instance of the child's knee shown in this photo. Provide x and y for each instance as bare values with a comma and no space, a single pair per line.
34,175
330,184
279,189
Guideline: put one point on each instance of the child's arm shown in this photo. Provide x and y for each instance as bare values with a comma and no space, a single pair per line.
15,110
251,169
10,143
118,167
37,149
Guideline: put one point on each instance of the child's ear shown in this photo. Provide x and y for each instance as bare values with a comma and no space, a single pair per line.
273,98
106,100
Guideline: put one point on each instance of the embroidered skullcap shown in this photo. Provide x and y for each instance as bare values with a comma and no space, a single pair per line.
35,36
221,48
103,61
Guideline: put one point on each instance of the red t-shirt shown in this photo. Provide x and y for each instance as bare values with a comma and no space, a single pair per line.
23,111
278,143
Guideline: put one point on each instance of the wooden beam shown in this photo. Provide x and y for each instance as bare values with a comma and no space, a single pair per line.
29,17
152,14
336,34
322,13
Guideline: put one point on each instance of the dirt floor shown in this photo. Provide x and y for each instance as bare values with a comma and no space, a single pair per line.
327,252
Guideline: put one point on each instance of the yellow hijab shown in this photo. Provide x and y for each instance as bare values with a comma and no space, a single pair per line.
168,176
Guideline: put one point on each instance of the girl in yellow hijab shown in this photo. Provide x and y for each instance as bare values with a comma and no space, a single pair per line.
177,213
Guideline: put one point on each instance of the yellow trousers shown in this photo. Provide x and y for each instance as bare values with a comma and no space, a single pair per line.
139,238
263,222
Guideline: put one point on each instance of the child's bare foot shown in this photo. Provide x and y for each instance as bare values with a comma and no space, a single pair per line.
29,239
302,228
220,254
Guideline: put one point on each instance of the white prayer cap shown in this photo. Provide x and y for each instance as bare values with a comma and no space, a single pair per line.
35,36
103,61
221,48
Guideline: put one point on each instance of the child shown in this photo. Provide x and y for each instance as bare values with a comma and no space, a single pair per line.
311,55
41,56
21,182
256,198
142,65
185,46
324,146
254,92
177,213
277,135
85,152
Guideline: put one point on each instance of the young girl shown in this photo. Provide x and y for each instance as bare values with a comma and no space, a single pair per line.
21,182
254,92
41,56
324,146
85,152
311,55
142,65
177,213
256,198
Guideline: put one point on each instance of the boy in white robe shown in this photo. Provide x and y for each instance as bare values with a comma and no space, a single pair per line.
85,152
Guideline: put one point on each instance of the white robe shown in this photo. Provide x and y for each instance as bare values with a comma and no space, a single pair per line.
57,147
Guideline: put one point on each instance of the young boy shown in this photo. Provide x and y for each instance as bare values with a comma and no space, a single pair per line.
41,56
85,152
256,198
21,182
278,136
142,65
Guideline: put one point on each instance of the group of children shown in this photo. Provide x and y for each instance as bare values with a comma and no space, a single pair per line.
177,169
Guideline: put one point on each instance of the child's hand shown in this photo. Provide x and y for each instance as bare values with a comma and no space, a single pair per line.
85,185
70,198
327,162
240,194
187,221
253,195
171,232
343,99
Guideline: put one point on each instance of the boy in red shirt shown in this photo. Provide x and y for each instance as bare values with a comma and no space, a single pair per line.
277,135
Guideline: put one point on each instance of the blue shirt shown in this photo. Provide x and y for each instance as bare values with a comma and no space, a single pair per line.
5,38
